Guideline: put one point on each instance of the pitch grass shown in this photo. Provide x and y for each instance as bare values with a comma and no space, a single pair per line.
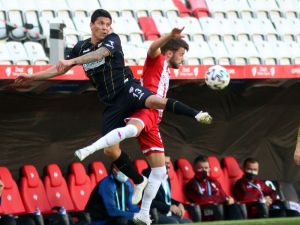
273,221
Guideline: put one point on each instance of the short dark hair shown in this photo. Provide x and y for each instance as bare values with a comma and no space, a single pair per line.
249,160
174,44
200,158
100,13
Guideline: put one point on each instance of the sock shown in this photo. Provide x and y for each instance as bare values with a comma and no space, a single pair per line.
113,137
124,164
180,108
156,177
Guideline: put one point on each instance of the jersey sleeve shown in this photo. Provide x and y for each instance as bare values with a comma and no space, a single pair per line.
74,51
112,43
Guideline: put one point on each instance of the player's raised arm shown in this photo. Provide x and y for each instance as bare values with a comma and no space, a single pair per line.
42,75
154,49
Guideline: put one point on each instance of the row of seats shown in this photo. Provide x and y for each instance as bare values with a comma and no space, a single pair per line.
17,53
33,193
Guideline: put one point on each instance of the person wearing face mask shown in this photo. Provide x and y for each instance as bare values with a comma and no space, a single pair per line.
110,202
251,189
204,190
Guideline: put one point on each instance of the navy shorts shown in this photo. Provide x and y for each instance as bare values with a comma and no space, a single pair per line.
128,100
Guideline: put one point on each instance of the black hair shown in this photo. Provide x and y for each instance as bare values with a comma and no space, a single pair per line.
174,44
100,13
249,160
200,158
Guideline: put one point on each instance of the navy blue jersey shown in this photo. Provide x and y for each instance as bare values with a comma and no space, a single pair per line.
110,74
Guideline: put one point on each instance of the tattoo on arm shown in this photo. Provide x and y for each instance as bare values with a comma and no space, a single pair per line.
96,55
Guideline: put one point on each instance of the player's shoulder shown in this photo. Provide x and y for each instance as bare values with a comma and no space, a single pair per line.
112,36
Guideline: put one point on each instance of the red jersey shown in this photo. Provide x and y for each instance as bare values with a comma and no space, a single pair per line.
204,192
246,190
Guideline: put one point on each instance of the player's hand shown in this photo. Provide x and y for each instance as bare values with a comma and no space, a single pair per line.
64,65
22,79
204,117
176,33
175,210
297,154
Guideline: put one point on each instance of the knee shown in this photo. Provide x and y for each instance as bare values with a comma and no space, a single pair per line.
112,152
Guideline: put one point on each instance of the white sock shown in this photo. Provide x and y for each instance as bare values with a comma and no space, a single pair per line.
113,137
156,177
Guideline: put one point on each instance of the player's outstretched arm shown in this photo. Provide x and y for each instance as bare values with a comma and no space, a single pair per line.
154,49
42,75
93,56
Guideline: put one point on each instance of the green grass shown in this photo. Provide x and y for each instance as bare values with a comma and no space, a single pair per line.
273,221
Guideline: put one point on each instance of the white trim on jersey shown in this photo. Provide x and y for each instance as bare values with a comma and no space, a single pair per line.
153,149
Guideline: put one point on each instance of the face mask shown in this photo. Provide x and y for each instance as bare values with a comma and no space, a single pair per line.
250,174
121,177
202,175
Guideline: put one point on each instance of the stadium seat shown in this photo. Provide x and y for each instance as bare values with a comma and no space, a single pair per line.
140,165
193,29
266,52
79,8
113,6
263,8
97,172
3,29
220,52
31,17
216,172
231,170
184,171
239,29
282,53
199,8
57,189
36,53
79,185
11,198
17,52
289,8
32,191
237,56
82,26
5,58
149,28
199,50
217,8
182,8
162,24
211,28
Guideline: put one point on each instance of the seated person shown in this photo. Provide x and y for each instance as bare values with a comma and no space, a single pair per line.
110,201
169,211
249,189
206,191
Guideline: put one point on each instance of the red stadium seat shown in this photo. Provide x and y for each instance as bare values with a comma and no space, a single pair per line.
183,10
216,172
57,189
199,8
149,28
97,173
33,191
11,198
232,171
176,190
79,185
184,171
140,165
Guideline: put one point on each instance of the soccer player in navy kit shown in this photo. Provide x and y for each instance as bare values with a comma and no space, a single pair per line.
103,62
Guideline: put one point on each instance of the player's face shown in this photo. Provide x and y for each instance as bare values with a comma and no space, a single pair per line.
177,58
100,28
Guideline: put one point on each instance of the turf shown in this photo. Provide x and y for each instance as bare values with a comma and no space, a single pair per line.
273,221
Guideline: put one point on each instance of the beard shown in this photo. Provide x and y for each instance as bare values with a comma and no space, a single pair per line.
173,64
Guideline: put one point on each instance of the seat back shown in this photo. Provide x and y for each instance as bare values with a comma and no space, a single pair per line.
232,171
79,185
97,172
140,165
33,191
56,188
11,198
148,27
176,190
184,171
217,173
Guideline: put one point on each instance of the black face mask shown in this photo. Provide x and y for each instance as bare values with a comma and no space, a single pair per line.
202,175
249,176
